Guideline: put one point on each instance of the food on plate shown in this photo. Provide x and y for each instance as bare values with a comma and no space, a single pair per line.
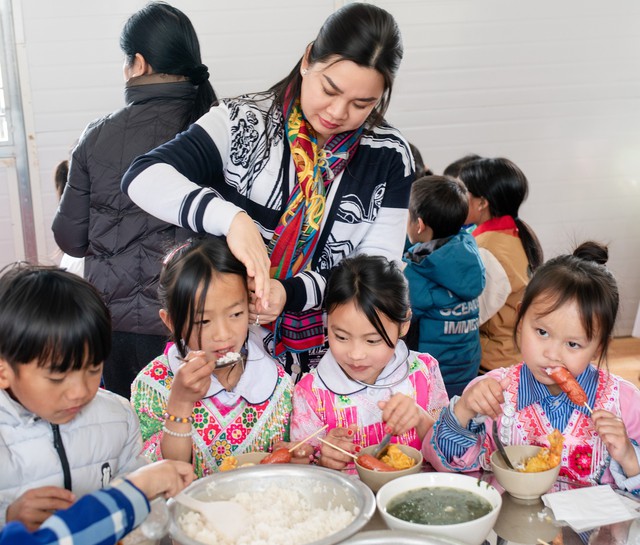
278,456
397,459
568,384
438,505
546,458
371,462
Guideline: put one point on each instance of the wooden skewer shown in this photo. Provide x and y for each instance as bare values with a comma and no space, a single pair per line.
309,437
587,406
541,542
339,449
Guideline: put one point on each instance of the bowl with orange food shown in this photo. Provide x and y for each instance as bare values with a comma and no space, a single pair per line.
401,460
536,468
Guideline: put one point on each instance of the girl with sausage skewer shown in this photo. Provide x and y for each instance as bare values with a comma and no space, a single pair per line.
214,392
368,383
563,325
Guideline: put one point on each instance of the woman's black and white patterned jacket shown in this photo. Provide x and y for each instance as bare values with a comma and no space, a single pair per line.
236,158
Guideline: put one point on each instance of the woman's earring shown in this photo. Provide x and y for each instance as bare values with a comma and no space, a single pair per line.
304,71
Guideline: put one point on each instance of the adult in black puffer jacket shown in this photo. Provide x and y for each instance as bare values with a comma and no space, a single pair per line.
167,88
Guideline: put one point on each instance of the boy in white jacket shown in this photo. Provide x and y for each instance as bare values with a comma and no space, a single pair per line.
60,436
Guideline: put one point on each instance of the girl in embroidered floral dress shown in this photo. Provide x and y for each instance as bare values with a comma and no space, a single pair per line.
565,320
190,407
368,383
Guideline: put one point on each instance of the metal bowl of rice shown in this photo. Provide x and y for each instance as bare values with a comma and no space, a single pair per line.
287,503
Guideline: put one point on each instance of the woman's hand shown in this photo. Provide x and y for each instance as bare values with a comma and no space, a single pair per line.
484,398
245,242
401,414
613,433
277,300
38,504
343,438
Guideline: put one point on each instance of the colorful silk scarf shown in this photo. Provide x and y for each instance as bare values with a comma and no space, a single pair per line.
295,238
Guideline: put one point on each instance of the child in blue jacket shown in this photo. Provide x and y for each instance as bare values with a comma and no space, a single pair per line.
105,516
446,276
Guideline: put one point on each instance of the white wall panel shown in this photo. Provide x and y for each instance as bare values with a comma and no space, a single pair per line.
554,86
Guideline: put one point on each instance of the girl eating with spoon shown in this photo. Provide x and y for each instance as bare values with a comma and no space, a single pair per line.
215,391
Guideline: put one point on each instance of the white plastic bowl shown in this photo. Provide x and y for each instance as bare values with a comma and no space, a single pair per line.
473,532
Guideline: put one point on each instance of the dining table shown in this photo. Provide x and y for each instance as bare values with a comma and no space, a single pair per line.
530,522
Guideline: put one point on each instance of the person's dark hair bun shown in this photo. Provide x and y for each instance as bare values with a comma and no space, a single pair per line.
592,251
199,74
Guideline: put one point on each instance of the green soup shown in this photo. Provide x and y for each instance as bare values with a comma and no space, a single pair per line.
438,505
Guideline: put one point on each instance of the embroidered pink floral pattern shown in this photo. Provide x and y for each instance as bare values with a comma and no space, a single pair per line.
580,460
236,434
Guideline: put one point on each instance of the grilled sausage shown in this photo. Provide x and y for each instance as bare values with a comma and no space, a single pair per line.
278,456
370,462
568,384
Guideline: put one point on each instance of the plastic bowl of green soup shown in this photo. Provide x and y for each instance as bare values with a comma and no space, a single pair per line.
441,504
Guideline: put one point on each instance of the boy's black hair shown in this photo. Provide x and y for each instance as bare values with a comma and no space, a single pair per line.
52,317
441,203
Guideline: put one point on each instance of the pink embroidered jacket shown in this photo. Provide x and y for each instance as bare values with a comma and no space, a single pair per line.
327,395
584,457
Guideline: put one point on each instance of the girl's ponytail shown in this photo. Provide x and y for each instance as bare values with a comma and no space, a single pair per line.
531,245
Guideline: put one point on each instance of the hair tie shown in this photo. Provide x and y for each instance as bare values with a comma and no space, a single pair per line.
173,252
199,74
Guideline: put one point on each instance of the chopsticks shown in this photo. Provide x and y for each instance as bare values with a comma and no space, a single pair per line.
294,447
541,542
338,449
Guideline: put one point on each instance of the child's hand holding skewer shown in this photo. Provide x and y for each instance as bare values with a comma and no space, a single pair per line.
613,433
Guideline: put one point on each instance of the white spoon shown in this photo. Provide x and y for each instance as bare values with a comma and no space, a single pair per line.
227,517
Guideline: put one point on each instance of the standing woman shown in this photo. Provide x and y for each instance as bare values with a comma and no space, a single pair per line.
167,88
311,161
509,249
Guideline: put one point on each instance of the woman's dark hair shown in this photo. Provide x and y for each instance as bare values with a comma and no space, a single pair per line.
60,176
53,317
505,188
441,203
166,39
187,269
375,285
453,169
583,278
421,169
362,33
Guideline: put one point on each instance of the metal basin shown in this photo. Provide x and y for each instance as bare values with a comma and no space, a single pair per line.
322,488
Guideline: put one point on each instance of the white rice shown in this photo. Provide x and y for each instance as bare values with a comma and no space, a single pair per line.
277,515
